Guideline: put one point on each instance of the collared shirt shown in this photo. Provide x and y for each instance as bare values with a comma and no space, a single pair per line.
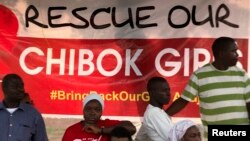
25,124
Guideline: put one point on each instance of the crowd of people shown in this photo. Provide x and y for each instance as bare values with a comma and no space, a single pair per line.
222,87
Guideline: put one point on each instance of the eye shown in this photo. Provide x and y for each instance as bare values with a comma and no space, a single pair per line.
87,109
98,109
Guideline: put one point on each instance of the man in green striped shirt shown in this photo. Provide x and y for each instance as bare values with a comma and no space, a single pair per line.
222,87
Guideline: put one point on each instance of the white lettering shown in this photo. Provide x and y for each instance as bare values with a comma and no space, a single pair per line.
109,62
118,60
60,61
176,65
197,62
214,132
186,62
71,61
130,62
83,61
23,56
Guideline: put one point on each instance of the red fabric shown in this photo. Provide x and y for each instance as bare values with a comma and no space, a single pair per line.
76,132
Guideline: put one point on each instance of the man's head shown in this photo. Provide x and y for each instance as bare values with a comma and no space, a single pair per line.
120,134
225,50
13,88
159,91
93,106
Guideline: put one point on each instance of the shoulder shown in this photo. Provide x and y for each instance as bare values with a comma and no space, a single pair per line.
72,130
77,125
109,122
29,109
153,113
237,69
206,68
151,110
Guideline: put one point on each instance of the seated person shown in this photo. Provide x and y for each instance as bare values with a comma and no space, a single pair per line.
185,130
156,122
120,134
93,127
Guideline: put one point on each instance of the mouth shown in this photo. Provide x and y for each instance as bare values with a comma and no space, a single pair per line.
91,119
235,60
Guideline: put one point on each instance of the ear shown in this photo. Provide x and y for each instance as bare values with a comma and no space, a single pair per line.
221,54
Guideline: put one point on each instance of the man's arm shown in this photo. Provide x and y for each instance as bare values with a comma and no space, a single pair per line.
107,130
176,106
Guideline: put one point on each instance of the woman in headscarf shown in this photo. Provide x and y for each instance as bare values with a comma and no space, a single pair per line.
92,127
185,130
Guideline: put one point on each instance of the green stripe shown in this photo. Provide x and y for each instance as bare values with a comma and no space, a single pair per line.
247,96
248,82
189,95
202,75
222,97
220,85
236,121
222,110
193,84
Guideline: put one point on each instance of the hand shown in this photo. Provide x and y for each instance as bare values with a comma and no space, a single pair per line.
92,129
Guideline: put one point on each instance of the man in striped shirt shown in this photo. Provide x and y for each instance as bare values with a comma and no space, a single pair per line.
222,87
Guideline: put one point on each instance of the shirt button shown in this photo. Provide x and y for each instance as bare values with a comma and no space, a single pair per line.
9,135
10,124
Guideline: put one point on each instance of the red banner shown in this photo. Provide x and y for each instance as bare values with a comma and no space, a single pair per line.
59,72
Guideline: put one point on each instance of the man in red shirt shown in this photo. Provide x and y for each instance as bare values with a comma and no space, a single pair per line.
93,128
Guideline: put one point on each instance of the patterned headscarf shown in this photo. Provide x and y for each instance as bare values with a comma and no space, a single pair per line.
179,129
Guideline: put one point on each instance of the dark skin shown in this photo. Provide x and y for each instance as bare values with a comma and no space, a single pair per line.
159,94
13,92
226,58
93,113
119,139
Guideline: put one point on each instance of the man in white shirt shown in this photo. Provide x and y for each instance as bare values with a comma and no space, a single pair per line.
156,123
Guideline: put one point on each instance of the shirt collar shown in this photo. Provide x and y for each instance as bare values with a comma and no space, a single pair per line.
21,106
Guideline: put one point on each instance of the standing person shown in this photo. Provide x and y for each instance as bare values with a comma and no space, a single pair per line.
120,133
93,127
156,123
222,87
18,120
184,130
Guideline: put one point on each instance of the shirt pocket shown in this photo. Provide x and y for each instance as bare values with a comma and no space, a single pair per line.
25,132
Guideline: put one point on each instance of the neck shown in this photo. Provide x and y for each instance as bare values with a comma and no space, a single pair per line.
155,104
219,65
11,104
